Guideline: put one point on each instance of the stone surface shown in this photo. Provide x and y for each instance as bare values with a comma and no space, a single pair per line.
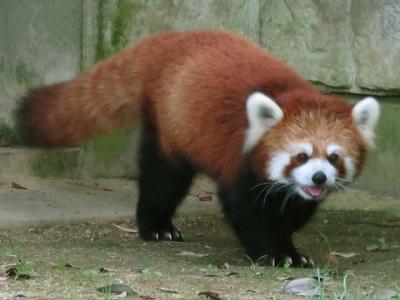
314,37
377,45
125,21
344,45
40,43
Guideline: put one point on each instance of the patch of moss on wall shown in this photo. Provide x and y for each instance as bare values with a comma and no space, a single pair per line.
115,19
55,164
9,136
107,148
26,76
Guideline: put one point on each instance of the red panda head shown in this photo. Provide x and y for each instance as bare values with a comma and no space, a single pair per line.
313,144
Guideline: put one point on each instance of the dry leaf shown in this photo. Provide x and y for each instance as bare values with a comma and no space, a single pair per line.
126,229
189,253
209,294
386,294
169,291
69,266
344,255
206,198
117,288
15,185
108,270
303,286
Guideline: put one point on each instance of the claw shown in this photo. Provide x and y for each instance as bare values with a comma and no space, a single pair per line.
272,262
176,235
311,262
288,261
167,236
303,260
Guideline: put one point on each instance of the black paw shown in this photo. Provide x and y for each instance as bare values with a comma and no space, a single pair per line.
170,234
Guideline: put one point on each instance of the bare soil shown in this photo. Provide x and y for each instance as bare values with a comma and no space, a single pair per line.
65,261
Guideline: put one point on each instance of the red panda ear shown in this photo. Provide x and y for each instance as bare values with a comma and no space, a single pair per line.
365,115
262,114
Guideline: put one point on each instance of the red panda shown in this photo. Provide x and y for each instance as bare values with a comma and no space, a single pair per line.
216,103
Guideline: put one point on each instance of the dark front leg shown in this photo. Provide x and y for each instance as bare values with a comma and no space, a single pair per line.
263,228
162,185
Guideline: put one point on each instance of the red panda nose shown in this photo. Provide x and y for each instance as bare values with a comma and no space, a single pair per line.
319,178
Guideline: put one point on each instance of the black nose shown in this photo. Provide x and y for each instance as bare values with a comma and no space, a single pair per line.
319,178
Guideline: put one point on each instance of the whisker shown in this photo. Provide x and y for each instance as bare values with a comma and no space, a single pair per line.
257,185
286,199
279,186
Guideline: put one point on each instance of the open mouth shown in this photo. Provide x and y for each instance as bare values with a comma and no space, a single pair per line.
313,190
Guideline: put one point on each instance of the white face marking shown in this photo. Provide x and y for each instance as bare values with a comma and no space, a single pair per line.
350,169
297,148
277,165
332,148
262,114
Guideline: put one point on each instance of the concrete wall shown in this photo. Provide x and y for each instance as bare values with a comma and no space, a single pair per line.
345,46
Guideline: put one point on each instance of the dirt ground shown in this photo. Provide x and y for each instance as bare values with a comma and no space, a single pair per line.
71,261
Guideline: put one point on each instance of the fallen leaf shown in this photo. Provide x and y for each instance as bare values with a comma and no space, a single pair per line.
206,198
211,295
373,247
284,278
381,245
15,185
224,266
386,294
117,288
126,229
344,255
69,266
12,272
169,291
124,294
189,253
108,270
307,287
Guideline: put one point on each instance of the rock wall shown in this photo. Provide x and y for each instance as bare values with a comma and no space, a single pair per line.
343,46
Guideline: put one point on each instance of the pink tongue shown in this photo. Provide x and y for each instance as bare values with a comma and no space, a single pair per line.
313,190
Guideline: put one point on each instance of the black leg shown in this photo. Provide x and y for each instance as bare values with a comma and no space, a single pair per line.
162,185
263,225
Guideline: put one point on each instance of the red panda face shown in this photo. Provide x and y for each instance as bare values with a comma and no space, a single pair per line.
312,150
312,170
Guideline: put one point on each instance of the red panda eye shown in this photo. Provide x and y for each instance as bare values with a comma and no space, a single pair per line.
333,158
302,158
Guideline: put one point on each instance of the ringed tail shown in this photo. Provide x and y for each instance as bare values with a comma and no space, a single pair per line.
69,113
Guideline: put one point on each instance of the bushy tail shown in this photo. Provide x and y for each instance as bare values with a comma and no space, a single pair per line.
69,113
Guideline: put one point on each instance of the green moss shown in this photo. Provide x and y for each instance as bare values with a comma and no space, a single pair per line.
8,136
106,149
65,163
120,18
26,76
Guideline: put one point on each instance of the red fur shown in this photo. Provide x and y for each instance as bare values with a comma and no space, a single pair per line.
194,87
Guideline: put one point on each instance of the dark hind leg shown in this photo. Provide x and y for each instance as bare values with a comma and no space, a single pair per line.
162,185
